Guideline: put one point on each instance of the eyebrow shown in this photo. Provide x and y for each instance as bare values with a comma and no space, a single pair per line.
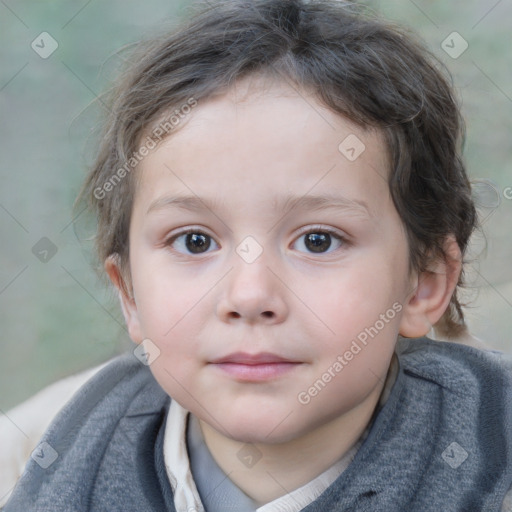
324,202
284,204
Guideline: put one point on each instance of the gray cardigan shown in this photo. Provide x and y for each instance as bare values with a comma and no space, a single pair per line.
442,442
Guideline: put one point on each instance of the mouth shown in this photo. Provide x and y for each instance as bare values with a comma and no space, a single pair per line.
254,367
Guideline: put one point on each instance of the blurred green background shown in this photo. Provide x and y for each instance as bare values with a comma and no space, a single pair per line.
57,317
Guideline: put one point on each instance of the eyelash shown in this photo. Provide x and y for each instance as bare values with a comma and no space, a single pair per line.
170,241
324,230
314,229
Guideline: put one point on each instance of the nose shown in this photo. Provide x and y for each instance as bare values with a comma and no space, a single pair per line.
253,295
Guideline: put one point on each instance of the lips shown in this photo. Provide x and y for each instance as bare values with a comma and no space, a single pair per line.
251,359
254,367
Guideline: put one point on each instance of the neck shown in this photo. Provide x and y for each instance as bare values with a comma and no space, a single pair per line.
284,467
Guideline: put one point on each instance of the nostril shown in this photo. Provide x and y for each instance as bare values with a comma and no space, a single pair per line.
264,314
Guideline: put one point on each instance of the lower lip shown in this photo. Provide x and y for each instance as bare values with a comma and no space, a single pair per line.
256,372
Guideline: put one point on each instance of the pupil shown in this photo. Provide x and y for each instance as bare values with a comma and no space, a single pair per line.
197,243
318,242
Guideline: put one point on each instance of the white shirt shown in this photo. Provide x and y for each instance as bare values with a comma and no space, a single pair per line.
186,495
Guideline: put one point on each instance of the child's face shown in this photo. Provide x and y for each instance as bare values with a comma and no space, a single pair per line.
255,178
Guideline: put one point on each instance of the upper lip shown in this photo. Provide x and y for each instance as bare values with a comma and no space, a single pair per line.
252,359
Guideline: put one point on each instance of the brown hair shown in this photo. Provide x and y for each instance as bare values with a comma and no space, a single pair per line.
359,66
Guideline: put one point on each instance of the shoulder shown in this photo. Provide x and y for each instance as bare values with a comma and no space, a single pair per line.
102,436
453,366
22,426
60,406
115,390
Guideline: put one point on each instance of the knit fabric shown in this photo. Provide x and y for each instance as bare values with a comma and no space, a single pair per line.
443,441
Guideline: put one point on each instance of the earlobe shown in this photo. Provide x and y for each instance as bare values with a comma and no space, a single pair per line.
432,293
128,305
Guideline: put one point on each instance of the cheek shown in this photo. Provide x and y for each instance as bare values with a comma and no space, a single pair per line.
163,302
352,299
360,311
172,316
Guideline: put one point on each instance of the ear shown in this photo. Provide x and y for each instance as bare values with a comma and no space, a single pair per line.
432,292
128,305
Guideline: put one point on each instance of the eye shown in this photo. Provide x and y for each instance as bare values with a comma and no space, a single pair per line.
191,242
319,241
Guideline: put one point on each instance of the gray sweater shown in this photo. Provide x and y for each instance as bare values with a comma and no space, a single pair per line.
442,442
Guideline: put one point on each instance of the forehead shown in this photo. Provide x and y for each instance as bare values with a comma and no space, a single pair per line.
264,138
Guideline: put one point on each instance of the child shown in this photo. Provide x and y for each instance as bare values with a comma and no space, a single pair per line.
283,209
